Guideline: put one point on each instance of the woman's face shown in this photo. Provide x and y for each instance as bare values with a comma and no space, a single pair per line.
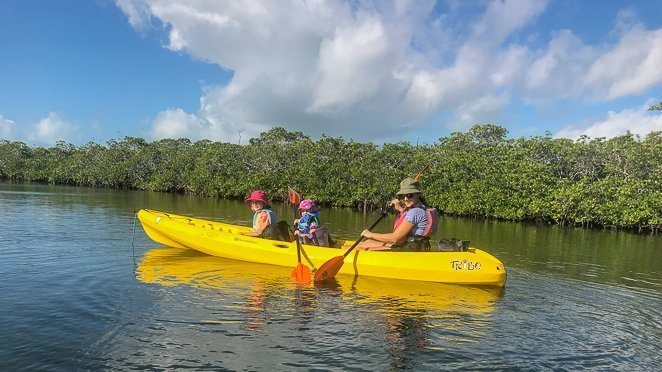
410,199
256,205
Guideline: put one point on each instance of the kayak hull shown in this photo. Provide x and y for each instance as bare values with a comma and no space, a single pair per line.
475,267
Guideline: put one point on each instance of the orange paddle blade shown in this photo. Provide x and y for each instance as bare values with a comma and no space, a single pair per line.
329,269
301,274
295,197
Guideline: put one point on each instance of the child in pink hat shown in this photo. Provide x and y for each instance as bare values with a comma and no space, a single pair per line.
263,216
309,220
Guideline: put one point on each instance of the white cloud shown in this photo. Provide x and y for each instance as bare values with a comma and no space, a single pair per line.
631,67
53,128
6,128
485,110
137,11
570,68
175,123
637,121
367,69
360,49
559,70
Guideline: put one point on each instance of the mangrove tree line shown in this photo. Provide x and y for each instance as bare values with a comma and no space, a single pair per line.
613,183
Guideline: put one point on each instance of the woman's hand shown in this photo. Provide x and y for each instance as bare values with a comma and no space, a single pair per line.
366,234
398,206
297,232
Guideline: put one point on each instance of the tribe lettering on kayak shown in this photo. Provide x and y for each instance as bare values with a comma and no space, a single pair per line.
465,265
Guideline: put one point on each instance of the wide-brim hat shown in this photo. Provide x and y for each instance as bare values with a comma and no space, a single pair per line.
258,196
409,186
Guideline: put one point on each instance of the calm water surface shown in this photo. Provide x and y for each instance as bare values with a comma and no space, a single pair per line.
77,295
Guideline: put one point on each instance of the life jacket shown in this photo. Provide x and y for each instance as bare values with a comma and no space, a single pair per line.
433,220
307,221
270,213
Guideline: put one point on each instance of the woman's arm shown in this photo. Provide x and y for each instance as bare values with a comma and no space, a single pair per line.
262,222
399,235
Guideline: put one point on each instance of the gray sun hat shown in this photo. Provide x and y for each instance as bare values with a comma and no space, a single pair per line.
409,186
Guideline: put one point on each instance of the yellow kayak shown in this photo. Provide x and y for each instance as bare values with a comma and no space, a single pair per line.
475,267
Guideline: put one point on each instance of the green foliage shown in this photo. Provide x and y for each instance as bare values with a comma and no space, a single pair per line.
615,183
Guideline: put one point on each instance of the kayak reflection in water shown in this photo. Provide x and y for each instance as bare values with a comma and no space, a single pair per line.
412,229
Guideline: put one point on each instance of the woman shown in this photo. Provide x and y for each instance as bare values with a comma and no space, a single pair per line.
412,229
263,216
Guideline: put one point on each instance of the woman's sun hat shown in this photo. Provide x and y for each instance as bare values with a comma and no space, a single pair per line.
409,186
258,196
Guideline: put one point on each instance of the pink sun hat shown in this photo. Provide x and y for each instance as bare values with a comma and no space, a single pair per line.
257,195
307,205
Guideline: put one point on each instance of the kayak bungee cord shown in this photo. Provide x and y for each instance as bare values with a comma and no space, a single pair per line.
170,217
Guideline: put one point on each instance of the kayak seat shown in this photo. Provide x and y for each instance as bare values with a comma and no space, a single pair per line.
321,237
278,231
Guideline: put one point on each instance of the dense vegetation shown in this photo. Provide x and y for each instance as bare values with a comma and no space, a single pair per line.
615,183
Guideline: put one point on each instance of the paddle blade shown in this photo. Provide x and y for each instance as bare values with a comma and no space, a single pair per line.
301,274
295,197
329,269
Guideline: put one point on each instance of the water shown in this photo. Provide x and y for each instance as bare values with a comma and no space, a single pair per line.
76,295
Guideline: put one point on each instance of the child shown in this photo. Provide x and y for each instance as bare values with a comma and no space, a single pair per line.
308,222
263,216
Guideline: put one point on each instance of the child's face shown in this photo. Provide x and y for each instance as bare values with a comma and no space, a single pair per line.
256,206
303,213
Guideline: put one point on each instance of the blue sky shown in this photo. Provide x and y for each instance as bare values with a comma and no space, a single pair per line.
382,71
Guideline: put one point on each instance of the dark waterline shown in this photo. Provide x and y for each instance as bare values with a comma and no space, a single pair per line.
75,295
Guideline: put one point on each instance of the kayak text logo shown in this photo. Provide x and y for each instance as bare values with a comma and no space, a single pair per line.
465,265
236,239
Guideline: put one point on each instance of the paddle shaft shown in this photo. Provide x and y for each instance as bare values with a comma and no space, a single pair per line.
298,249
294,210
384,214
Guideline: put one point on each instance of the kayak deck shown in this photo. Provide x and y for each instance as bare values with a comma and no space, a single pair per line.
475,267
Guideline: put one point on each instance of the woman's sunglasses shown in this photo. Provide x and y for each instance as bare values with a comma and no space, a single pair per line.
408,196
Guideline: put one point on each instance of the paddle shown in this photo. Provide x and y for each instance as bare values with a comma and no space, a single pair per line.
331,267
301,273
295,199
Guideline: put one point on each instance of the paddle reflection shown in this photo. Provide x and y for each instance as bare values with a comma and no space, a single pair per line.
404,310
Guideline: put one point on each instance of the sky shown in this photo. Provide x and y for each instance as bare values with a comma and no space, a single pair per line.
381,71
